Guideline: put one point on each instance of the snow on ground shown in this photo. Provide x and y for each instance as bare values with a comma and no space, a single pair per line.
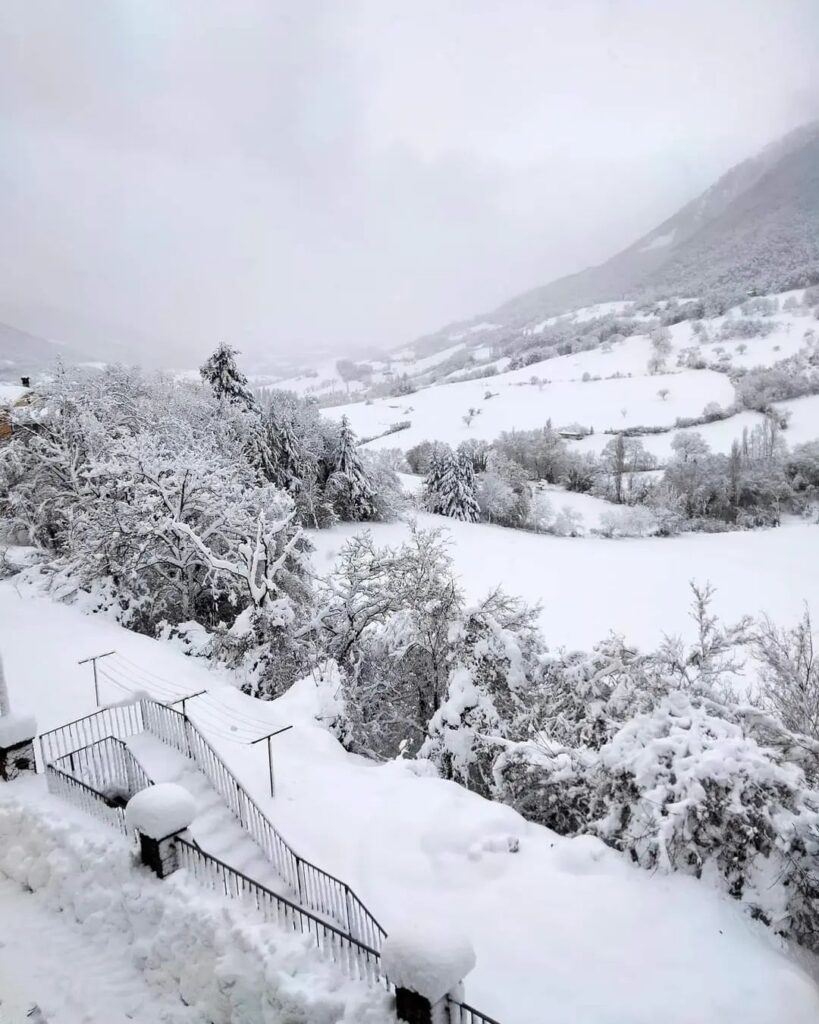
639,587
47,961
804,419
437,412
10,393
113,943
564,929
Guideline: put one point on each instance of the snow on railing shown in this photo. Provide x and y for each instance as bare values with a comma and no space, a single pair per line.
314,888
358,961
355,945
121,720
99,779
461,1013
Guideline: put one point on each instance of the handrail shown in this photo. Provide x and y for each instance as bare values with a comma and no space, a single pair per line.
315,887
312,891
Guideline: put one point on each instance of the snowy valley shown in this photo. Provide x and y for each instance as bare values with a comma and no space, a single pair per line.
469,681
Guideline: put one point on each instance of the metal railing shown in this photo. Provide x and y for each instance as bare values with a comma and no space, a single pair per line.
99,779
120,721
75,792
357,960
103,759
107,766
314,888
462,1013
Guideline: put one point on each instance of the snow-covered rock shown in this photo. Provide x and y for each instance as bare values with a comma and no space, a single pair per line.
430,959
16,729
160,810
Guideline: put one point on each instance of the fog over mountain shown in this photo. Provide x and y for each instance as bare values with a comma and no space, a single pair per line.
334,177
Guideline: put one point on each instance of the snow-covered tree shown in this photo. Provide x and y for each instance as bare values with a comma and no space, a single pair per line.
348,484
790,673
228,382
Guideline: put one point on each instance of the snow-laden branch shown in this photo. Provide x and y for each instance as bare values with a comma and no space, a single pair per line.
256,562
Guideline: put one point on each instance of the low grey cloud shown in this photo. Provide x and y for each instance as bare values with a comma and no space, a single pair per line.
341,175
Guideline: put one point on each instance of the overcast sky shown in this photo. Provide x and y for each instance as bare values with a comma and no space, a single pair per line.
310,173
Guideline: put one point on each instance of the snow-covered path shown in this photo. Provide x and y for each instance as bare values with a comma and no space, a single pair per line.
214,828
46,960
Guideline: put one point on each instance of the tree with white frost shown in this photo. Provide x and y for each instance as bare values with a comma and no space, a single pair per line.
348,485
228,382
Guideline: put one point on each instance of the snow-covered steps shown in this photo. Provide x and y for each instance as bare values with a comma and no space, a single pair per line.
214,828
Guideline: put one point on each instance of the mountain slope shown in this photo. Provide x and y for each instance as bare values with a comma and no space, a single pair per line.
755,228
24,353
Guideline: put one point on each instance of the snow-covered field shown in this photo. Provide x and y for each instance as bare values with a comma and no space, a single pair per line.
437,413
588,586
564,929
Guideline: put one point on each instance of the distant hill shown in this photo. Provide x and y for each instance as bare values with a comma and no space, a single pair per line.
22,353
755,230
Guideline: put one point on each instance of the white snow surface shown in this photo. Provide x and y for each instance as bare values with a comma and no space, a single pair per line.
588,586
140,945
160,810
427,957
16,729
561,924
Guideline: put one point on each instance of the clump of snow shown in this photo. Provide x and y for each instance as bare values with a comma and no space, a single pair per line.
160,810
427,957
17,729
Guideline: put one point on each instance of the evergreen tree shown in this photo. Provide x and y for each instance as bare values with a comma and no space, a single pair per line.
349,486
289,468
228,382
439,460
449,489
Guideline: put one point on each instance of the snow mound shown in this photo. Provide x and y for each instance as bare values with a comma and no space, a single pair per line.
160,810
222,959
583,855
429,959
16,729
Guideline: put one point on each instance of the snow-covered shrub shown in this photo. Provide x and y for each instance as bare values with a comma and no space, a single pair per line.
633,521
790,673
388,497
567,523
653,755
493,670
541,513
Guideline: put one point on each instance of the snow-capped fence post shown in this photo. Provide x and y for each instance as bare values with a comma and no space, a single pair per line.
426,964
159,815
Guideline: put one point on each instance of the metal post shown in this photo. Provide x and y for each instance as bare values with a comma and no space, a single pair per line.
269,737
184,700
93,661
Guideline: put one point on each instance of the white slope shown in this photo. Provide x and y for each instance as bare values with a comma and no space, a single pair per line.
437,413
588,586
48,962
619,391
565,930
